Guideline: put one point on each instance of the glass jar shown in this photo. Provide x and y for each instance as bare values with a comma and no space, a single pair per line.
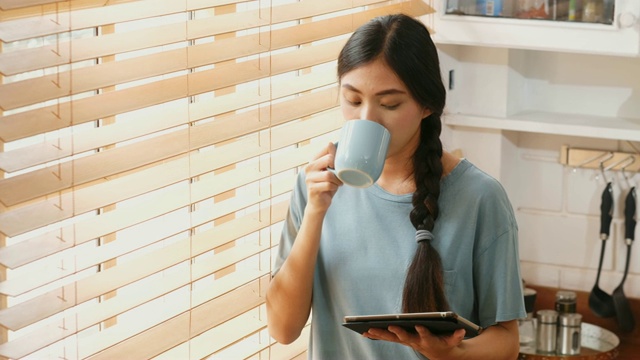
527,326
566,302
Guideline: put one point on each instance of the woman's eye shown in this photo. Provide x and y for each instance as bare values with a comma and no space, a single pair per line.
353,102
390,107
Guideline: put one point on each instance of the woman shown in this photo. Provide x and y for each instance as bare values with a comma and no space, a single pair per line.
349,251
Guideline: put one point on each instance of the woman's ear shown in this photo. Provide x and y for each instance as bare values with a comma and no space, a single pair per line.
426,112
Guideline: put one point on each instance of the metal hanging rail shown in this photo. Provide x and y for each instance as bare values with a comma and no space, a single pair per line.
599,159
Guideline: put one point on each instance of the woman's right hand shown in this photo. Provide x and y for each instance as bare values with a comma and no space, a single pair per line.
322,184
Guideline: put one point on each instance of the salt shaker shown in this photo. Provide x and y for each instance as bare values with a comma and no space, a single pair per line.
547,331
569,334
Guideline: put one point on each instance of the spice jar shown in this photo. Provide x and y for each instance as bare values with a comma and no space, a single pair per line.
565,302
569,334
547,331
527,326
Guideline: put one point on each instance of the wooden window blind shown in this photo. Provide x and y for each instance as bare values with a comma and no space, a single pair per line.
148,149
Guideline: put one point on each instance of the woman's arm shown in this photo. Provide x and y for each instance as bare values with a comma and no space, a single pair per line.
289,294
499,342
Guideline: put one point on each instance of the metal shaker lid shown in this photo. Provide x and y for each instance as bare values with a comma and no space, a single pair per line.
547,316
565,295
570,319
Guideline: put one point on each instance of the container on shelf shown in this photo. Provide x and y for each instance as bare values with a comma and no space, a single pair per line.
589,11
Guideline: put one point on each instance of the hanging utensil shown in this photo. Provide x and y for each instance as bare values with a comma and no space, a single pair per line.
600,302
620,301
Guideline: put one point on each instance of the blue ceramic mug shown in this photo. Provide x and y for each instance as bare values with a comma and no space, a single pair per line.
361,152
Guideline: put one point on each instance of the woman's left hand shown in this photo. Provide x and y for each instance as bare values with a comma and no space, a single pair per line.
432,346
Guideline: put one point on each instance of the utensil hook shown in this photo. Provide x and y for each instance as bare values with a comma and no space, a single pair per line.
608,155
628,160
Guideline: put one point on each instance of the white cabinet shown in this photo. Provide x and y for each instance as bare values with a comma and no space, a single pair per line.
621,38
562,78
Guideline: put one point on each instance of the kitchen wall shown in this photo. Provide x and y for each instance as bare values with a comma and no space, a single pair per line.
557,207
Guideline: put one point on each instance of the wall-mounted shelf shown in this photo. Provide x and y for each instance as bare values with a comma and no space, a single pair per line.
599,159
619,39
553,123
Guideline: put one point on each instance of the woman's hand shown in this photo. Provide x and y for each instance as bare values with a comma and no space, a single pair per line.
432,346
322,184
497,342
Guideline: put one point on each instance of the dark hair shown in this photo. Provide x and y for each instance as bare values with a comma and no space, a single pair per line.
406,46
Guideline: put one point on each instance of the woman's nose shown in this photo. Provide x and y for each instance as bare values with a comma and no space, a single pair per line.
369,113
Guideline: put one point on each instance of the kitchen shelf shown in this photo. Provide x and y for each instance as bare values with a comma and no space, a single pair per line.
553,123
620,39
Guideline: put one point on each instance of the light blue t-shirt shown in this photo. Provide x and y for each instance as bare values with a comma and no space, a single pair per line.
368,242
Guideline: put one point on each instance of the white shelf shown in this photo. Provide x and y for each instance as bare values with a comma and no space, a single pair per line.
620,39
553,123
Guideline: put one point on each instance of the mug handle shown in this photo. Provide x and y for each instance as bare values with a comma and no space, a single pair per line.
330,169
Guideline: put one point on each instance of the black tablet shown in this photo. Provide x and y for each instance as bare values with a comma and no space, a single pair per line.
439,323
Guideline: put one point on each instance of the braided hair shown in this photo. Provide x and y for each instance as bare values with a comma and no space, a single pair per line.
405,45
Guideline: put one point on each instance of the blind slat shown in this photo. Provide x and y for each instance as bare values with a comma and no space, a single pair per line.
158,161
239,301
60,177
56,117
32,91
66,52
64,21
340,25
149,343
61,299
213,313
124,187
122,218
237,328
34,249
45,336
310,8
33,310
292,133
14,4
19,9
59,116
154,121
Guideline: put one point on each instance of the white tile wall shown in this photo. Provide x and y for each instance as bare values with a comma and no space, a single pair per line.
557,207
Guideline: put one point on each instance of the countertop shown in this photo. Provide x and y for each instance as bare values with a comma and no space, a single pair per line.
629,348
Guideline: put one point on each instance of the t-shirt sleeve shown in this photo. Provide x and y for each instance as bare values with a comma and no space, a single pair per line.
292,222
498,281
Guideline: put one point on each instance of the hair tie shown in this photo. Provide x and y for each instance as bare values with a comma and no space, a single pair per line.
423,235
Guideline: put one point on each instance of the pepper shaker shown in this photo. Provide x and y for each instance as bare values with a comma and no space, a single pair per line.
569,334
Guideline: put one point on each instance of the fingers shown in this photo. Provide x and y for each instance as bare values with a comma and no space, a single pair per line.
448,341
321,183
422,340
323,159
382,334
317,172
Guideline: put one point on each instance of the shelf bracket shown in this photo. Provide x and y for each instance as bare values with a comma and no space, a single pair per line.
599,159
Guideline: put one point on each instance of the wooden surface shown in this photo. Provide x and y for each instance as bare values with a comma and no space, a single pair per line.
629,348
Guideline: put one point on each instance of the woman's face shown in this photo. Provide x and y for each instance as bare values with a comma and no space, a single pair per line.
374,92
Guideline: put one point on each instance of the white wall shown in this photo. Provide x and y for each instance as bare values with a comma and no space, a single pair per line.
557,207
